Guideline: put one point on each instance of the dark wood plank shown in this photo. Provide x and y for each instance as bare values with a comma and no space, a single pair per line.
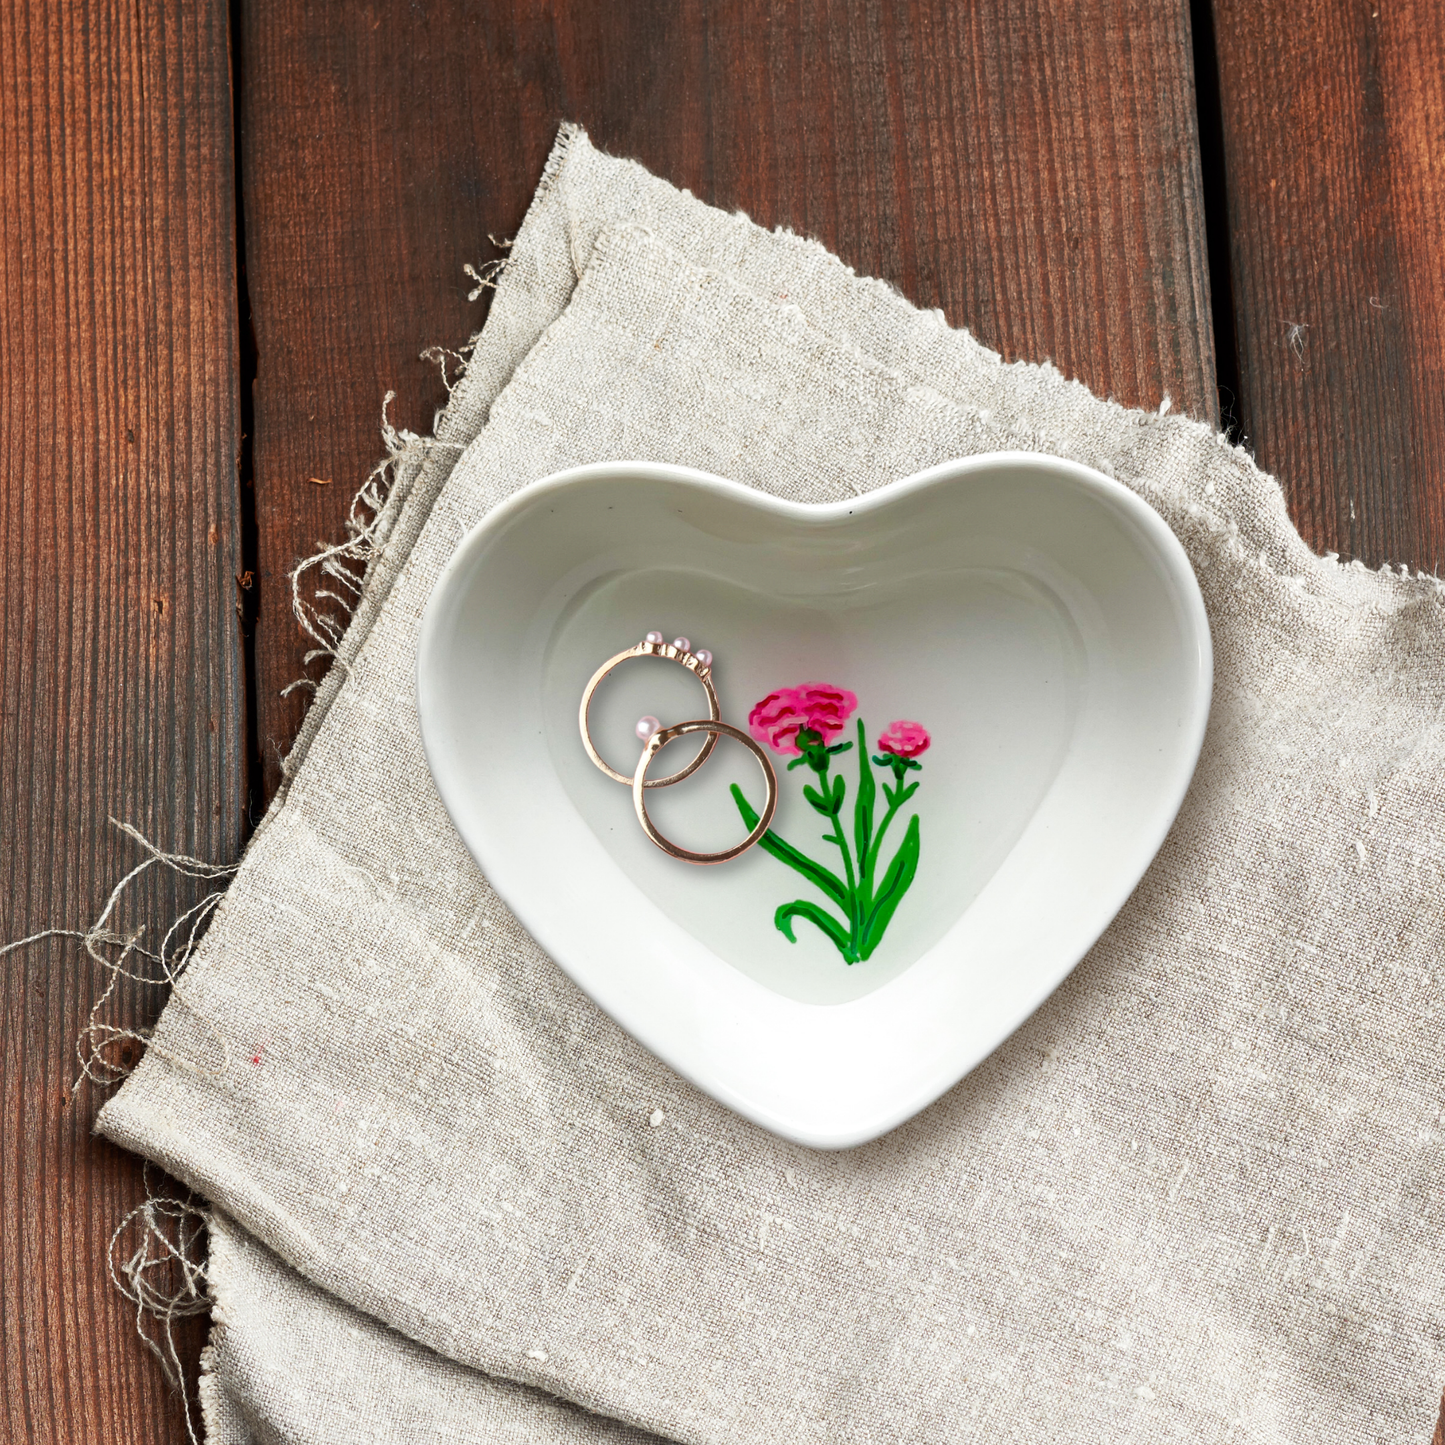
1030,167
1334,143
121,688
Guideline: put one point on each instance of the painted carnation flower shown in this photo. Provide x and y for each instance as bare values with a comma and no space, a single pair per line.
904,739
819,706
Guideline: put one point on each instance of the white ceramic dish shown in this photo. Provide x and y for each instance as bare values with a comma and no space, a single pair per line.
1038,618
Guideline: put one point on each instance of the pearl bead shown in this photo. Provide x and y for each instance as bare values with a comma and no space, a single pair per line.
646,726
704,657
654,637
682,644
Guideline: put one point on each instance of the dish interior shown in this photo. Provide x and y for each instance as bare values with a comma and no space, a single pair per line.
1023,620
986,658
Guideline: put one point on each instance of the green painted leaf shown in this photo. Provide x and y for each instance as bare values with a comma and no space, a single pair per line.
817,799
783,920
896,882
821,877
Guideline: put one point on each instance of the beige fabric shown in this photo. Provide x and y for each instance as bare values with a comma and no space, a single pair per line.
1196,1197
289,1365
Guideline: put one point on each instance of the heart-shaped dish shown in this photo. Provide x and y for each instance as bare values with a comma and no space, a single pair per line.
1038,620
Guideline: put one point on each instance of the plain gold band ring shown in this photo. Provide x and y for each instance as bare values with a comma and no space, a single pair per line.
669,653
717,729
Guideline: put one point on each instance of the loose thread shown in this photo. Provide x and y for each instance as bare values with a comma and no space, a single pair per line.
163,1276
1295,339
172,960
342,567
164,1273
490,273
368,523
441,355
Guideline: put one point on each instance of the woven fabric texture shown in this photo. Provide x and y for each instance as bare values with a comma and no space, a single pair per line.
1196,1196
289,1363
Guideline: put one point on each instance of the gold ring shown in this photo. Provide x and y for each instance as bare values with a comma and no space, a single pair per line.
697,663
717,729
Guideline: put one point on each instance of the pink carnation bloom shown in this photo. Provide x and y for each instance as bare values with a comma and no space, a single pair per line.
781,715
904,739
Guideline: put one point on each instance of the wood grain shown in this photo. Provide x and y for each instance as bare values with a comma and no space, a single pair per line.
121,689
1032,168
1334,144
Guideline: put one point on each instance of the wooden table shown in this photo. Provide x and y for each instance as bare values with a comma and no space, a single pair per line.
226,231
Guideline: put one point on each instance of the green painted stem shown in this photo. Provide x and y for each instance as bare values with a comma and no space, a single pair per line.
867,908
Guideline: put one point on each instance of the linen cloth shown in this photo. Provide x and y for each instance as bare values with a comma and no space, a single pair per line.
288,1362
1196,1196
